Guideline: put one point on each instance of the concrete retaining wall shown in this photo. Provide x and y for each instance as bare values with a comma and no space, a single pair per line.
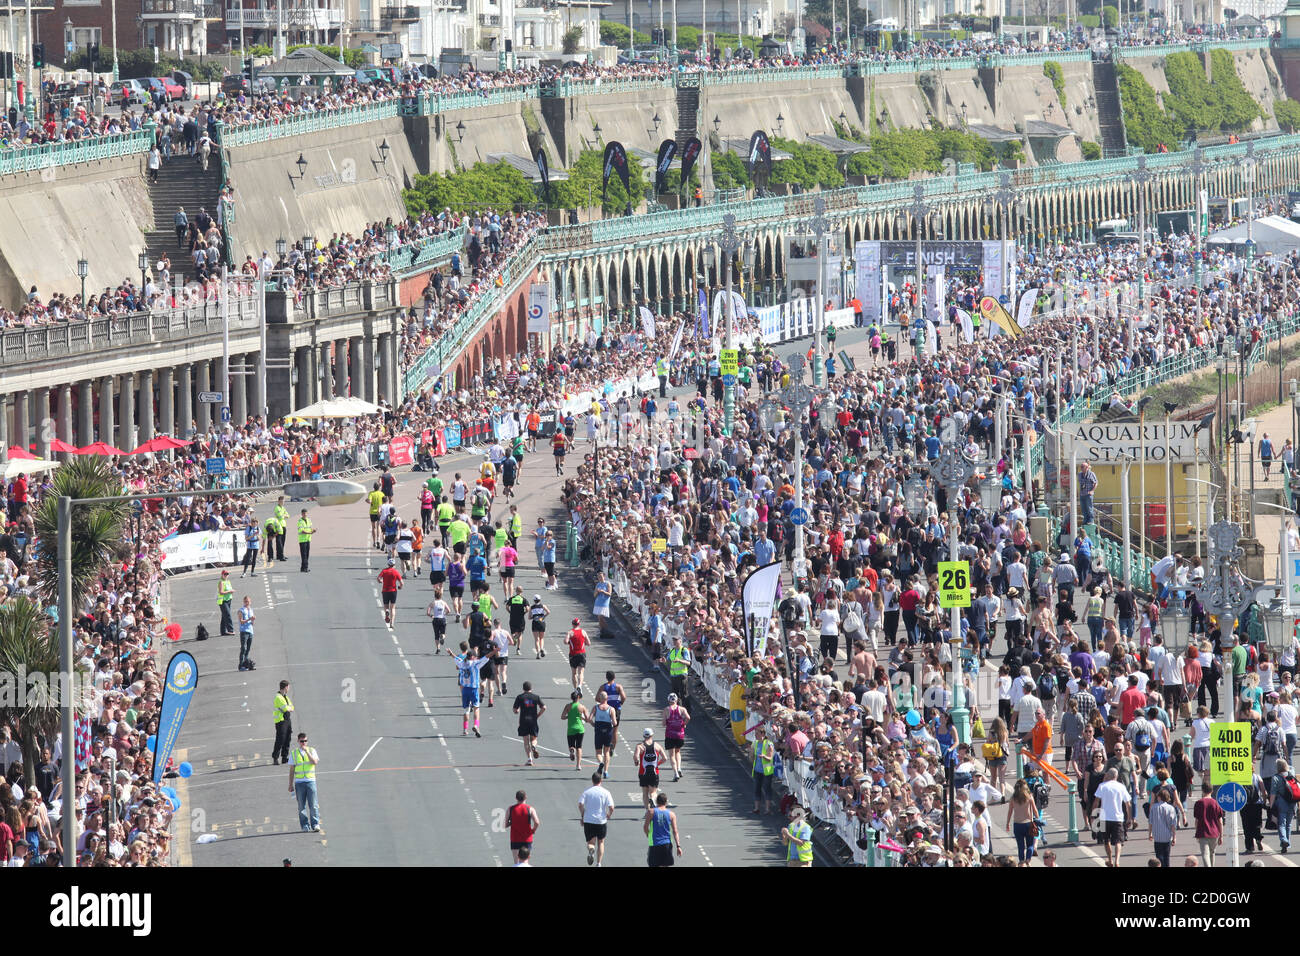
49,219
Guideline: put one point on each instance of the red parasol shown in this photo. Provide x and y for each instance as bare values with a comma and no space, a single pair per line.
17,451
100,448
60,445
161,443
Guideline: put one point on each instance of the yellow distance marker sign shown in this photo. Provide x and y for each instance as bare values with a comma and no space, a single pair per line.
729,362
658,545
954,584
1230,754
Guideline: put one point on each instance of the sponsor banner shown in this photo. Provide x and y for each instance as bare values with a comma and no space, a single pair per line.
647,322
440,442
967,327
993,312
667,149
202,547
539,307
450,437
868,283
401,450
178,694
759,598
505,428
1025,312
951,254
993,268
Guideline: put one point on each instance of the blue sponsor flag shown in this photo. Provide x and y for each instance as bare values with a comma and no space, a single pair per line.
178,692
702,315
451,436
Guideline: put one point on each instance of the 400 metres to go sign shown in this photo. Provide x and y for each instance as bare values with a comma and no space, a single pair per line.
1230,755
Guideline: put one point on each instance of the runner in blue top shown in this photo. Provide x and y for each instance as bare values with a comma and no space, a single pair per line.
468,665
477,568
660,828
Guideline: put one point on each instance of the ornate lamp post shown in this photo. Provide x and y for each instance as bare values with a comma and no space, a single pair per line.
819,225
797,396
1197,168
728,243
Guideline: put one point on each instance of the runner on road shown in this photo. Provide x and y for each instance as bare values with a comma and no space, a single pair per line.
374,501
530,709
675,720
595,808
501,641
660,828
616,696
390,579
578,642
456,585
537,614
468,667
603,719
437,612
524,824
575,715
559,445
649,758
507,558
517,605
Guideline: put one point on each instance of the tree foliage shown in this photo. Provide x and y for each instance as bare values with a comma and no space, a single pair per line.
571,40
138,64
1194,103
1090,150
1145,122
353,57
1053,71
898,154
810,165
1287,113
1110,16
615,34
28,645
584,180
483,185
729,171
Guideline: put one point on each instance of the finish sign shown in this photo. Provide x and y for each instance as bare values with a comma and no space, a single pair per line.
1230,756
729,361
954,584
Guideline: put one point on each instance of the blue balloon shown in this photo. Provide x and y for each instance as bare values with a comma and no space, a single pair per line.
913,719
167,791
151,741
186,770
174,802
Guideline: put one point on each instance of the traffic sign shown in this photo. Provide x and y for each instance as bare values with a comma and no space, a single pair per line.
728,380
658,545
729,361
225,413
1230,755
799,516
954,584
216,466
213,397
1231,796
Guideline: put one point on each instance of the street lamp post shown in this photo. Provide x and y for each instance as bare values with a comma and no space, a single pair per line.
952,470
819,225
326,493
142,260
797,395
728,243
1197,168
1141,177
1248,169
83,270
919,209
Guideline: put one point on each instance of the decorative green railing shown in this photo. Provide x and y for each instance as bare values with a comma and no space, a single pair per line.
429,252
301,123
565,86
27,158
432,103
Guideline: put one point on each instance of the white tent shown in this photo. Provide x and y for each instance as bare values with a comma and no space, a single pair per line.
337,408
28,466
1274,235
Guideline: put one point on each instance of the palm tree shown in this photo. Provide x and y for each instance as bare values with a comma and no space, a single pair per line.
96,529
28,646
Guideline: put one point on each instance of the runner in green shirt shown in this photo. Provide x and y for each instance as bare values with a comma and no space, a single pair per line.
574,715
434,484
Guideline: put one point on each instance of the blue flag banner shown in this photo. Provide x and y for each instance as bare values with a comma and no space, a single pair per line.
178,693
702,316
451,435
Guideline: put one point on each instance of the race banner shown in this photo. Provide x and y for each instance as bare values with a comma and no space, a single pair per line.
543,170
1025,312
867,280
401,450
702,315
720,309
967,327
677,340
758,597
615,162
647,322
992,311
931,338
451,437
760,159
667,149
505,427
935,291
440,442
194,550
539,307
993,268
689,155
178,694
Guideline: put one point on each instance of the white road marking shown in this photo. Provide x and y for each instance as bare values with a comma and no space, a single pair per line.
366,754
562,753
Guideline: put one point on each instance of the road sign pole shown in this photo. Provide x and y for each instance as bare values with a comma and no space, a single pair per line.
960,713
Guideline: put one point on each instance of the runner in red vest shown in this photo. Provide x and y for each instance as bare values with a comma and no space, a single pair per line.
524,822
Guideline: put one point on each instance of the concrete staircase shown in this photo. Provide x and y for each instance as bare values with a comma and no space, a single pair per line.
1110,113
181,182
688,116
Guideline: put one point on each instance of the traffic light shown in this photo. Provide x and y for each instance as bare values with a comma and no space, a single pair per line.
248,72
38,56
92,54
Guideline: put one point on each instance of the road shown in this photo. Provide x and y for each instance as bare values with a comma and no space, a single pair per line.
398,783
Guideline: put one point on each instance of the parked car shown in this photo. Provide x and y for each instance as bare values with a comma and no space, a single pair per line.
167,86
379,74
186,80
127,93
235,82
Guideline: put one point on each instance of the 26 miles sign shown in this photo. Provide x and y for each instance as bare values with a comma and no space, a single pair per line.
954,584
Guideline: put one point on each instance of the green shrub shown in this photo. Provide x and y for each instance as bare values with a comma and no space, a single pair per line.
898,154
729,171
1052,70
1287,113
1110,16
495,185
1145,122
1090,21
584,180
1090,150
810,165
615,34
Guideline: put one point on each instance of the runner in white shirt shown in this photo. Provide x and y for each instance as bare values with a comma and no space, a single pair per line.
437,613
595,807
405,545
501,638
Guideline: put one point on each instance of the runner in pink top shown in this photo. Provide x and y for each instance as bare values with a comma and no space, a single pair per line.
675,720
507,558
